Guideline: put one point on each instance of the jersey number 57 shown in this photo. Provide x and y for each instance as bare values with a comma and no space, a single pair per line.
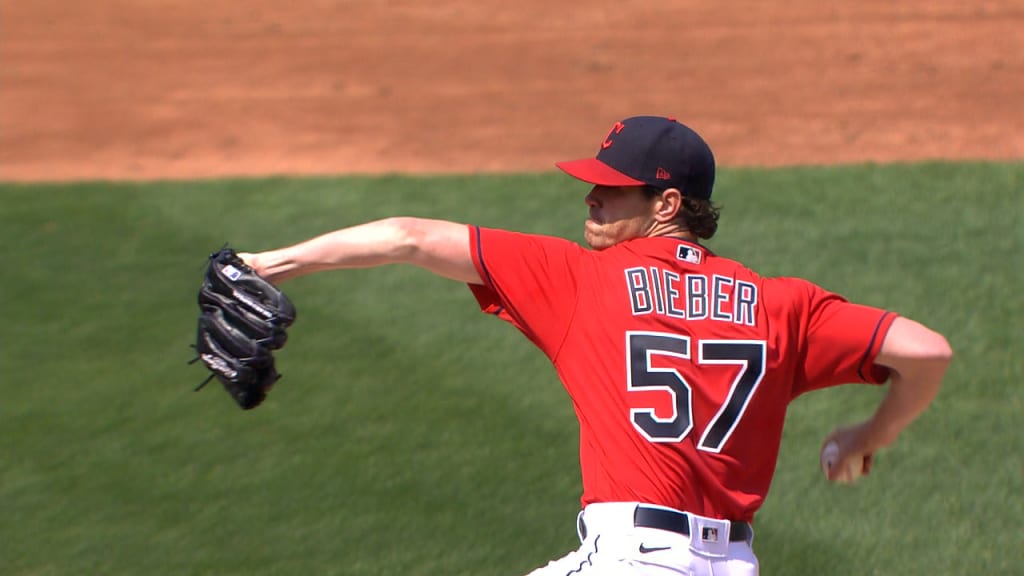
748,355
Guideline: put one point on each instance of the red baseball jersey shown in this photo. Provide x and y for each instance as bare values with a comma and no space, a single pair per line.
680,364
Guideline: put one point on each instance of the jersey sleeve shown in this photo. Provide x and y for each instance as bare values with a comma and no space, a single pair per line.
530,281
841,342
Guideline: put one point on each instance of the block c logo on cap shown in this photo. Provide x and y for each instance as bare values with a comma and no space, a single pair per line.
608,139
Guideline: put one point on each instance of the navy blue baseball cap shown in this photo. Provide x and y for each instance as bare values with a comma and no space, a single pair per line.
650,150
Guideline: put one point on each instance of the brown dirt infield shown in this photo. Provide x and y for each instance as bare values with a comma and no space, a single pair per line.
123,89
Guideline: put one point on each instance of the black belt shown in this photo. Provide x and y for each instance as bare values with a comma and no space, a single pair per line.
679,523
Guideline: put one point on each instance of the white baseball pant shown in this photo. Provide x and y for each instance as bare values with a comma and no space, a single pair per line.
617,539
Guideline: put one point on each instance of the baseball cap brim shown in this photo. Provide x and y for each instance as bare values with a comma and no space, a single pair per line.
594,171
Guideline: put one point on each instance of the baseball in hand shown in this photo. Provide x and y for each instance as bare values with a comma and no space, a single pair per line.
830,456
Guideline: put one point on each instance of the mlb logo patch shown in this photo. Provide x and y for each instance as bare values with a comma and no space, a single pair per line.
232,272
709,534
689,254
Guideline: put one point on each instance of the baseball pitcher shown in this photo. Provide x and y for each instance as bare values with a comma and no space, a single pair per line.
680,363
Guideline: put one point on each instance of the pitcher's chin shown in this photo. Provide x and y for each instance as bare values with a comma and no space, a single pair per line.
592,234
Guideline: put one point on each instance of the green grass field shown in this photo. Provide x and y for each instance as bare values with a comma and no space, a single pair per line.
413,435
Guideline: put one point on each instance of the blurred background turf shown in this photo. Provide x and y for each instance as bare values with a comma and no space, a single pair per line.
411,434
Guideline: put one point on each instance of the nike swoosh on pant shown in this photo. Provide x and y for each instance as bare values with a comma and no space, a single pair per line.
646,550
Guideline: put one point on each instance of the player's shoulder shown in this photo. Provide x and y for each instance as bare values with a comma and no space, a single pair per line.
725,265
484,237
776,290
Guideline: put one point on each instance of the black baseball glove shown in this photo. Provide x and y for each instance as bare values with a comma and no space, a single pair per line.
242,321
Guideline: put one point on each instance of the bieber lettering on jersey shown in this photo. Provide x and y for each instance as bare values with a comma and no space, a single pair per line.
693,296
680,364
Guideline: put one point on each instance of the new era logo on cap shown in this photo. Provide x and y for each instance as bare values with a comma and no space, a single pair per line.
651,150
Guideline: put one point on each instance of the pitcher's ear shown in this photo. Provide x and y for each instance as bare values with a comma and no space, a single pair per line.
668,205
